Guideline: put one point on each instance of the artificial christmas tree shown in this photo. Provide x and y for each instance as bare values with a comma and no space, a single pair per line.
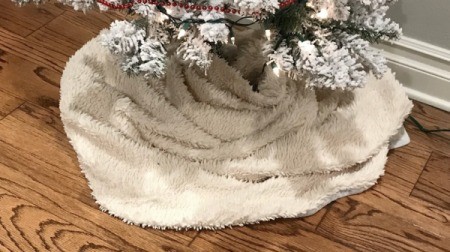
182,118
325,42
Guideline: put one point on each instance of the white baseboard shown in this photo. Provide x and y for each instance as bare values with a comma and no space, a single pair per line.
424,70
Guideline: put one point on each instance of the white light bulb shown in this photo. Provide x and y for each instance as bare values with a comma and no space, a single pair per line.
162,17
182,33
268,33
276,70
307,46
323,14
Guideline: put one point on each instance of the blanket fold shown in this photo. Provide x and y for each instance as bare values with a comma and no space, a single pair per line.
205,151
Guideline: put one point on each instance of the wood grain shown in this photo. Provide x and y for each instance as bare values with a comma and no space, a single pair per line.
434,183
27,19
8,103
421,213
432,118
89,218
27,227
58,174
33,52
278,235
67,33
404,167
370,229
45,202
44,134
29,81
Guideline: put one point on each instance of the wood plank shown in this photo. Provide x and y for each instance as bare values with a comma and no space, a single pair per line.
367,228
52,45
434,184
62,37
278,235
421,213
403,167
67,33
112,230
39,166
26,19
431,117
29,81
94,20
311,222
32,141
31,51
430,141
8,103
26,227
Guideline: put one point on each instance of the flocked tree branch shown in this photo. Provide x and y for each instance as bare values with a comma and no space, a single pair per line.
328,42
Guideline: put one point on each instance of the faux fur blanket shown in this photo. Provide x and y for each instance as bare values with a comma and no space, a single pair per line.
205,151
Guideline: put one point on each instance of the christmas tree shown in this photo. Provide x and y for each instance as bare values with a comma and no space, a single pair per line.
325,42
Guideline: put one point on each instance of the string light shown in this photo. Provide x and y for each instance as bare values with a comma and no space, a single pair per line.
268,33
276,70
182,33
162,17
307,46
231,34
323,14
183,30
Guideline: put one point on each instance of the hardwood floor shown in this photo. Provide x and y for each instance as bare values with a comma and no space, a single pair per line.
45,203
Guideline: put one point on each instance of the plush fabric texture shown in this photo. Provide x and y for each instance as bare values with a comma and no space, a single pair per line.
205,151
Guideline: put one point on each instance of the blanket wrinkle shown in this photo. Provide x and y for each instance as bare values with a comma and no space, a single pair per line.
206,152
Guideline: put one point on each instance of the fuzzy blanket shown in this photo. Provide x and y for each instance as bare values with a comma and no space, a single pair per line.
205,151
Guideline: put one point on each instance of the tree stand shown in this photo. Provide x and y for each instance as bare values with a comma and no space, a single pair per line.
196,150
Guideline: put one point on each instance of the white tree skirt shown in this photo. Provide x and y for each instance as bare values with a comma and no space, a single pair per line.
196,151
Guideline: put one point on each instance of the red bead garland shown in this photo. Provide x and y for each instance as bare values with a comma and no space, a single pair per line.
181,5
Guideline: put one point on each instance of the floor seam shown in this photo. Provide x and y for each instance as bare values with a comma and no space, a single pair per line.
43,25
421,172
194,238
10,112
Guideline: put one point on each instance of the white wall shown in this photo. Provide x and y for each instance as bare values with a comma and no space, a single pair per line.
424,20
421,59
